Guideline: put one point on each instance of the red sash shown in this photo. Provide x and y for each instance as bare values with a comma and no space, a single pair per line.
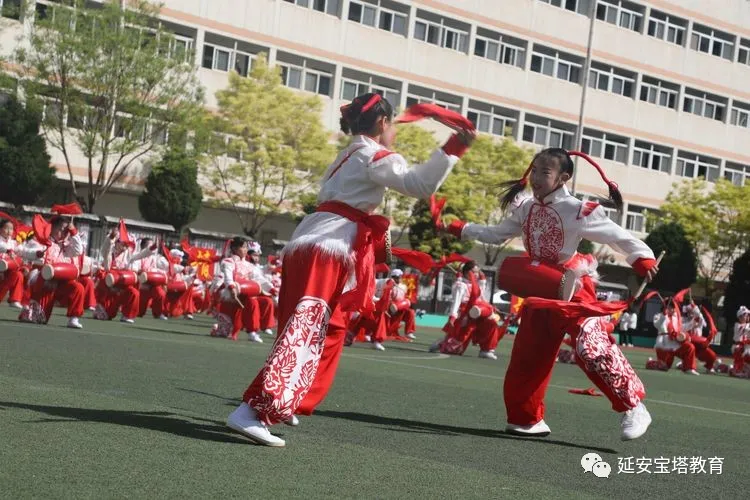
370,239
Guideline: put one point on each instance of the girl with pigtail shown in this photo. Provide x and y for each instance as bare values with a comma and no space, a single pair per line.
552,222
328,264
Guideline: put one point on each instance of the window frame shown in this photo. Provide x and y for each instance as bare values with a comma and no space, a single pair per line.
606,140
491,118
665,159
666,23
441,35
697,162
556,61
712,39
659,89
702,101
635,18
310,4
548,128
379,11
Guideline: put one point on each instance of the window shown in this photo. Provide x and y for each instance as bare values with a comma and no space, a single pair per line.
494,120
603,145
668,28
610,79
711,41
327,6
505,50
579,6
693,166
548,133
740,114
177,47
703,104
216,57
10,9
558,64
305,78
659,92
744,52
377,16
442,35
737,174
635,219
623,14
351,88
651,156
423,95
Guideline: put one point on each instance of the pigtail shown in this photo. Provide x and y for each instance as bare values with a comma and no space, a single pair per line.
511,190
614,190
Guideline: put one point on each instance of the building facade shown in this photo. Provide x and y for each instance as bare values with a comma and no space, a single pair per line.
667,100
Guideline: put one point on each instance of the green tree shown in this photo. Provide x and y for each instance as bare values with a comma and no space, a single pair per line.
269,147
424,237
716,221
737,292
679,268
172,195
26,173
113,85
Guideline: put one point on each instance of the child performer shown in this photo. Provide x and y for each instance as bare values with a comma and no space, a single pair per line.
261,308
671,341
552,224
11,278
152,295
741,348
694,325
328,265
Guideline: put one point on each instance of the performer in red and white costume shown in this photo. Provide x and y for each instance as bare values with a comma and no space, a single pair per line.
262,308
741,348
471,318
152,294
328,264
11,278
693,325
118,258
672,341
552,223
400,308
56,242
235,310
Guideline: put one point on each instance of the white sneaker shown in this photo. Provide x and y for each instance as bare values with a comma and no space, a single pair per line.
679,365
411,336
378,346
75,323
539,429
245,421
710,371
293,422
254,337
691,372
435,347
92,309
16,305
487,355
163,318
129,321
268,331
635,422
190,317
367,338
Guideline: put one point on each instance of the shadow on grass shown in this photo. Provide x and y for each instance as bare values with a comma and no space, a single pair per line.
227,401
403,425
161,421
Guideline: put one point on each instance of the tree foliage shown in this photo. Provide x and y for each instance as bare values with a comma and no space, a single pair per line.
25,171
172,195
424,237
268,148
113,85
679,268
737,292
716,221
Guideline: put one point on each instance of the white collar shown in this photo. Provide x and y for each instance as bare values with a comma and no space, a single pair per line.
555,196
366,141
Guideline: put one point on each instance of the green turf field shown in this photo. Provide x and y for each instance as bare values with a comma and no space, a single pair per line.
138,411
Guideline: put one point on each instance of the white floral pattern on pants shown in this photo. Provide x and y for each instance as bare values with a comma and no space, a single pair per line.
291,367
601,356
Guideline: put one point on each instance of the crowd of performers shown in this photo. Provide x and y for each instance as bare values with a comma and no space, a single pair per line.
132,279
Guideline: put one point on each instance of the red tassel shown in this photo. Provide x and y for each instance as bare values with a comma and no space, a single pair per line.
69,209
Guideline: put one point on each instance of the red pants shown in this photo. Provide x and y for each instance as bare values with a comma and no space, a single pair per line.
686,353
44,294
301,367
12,284
703,351
408,317
533,357
481,331
259,314
740,358
89,292
112,300
153,296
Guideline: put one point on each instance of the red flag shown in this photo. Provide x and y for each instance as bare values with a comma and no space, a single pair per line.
585,392
447,117
202,259
42,230
382,268
414,258
679,297
124,236
412,286
69,209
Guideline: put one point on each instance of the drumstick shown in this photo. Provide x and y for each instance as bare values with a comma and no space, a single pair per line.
645,282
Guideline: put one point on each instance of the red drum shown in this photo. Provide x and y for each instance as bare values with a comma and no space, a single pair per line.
481,310
399,305
153,278
61,271
9,265
248,288
120,278
176,287
526,278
